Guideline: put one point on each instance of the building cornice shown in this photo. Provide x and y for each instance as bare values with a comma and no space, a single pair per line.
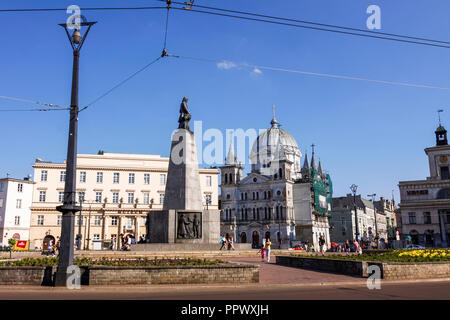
430,183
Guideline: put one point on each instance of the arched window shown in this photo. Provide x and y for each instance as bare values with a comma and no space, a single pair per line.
226,178
280,172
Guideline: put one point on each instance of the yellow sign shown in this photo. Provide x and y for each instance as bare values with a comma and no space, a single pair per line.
21,245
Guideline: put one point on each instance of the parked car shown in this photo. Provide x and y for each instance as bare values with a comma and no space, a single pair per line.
415,247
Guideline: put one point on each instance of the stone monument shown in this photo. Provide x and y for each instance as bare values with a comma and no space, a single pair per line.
183,222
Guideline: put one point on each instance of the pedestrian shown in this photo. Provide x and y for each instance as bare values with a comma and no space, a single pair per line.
322,245
347,246
268,243
262,251
58,245
230,243
357,246
223,240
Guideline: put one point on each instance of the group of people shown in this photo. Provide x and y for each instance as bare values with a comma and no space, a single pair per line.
227,242
353,247
265,250
53,247
126,242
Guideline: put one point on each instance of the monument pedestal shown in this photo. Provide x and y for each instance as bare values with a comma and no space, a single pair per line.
176,226
183,221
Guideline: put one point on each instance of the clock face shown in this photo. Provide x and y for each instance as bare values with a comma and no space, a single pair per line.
443,159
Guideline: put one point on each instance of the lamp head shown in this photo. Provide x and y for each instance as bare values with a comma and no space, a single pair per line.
76,36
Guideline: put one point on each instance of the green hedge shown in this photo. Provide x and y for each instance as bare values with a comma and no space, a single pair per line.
46,262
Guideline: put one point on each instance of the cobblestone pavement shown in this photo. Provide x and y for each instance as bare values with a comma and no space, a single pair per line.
271,273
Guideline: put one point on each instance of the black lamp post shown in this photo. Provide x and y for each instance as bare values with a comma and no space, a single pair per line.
375,214
69,207
354,188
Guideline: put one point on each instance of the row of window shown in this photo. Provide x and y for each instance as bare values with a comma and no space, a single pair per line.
96,220
255,195
19,187
99,197
258,213
116,177
115,197
426,218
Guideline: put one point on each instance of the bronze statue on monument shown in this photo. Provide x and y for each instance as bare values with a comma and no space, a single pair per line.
185,115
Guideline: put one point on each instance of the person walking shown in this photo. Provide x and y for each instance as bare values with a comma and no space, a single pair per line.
262,251
58,246
322,245
267,247
230,243
223,240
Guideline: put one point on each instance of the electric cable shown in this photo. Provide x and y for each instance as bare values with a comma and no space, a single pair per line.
310,22
120,83
328,75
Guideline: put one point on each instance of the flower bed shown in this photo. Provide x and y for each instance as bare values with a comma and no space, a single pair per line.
424,255
113,262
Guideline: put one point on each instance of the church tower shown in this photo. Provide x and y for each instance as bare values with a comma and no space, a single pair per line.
441,136
231,172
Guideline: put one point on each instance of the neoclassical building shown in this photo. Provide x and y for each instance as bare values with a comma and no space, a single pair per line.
425,204
116,192
278,198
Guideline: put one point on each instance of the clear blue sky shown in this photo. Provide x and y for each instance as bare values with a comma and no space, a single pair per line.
369,134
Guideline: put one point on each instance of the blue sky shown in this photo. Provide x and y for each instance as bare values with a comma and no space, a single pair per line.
369,134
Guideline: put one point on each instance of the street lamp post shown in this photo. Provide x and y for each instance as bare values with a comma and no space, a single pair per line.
354,188
79,236
375,214
69,207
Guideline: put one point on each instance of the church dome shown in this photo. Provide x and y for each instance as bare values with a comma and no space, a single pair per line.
275,144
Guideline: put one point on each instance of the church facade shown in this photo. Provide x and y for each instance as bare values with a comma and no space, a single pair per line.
279,198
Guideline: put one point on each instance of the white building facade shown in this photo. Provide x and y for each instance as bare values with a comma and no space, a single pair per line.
15,214
425,204
116,192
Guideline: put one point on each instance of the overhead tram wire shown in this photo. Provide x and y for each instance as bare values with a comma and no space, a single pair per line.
363,33
16,110
327,75
83,9
310,22
32,102
163,54
121,83
314,28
